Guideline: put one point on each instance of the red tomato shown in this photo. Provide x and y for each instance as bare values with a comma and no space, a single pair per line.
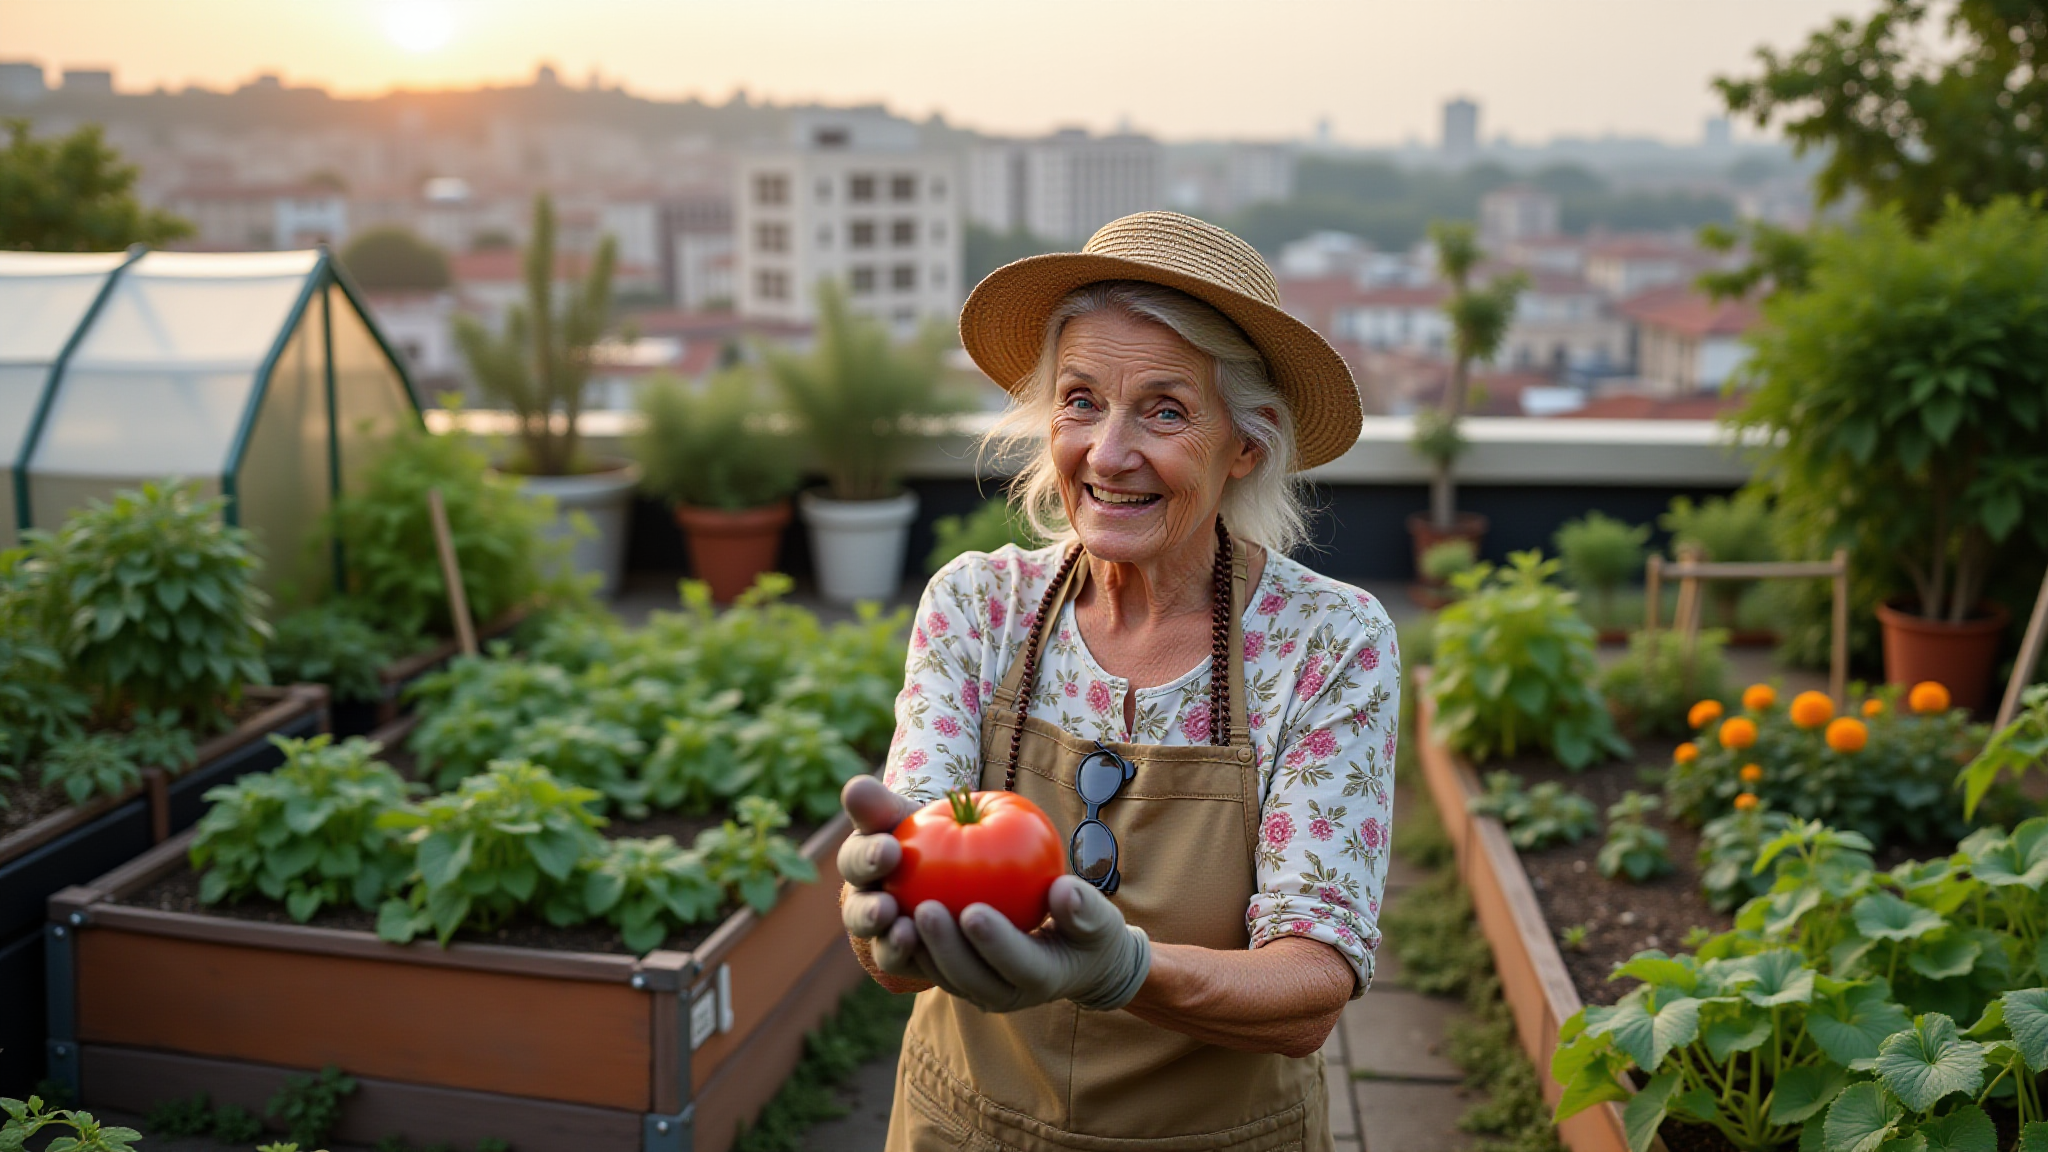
993,848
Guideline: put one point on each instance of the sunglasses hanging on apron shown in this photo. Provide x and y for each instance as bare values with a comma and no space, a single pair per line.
1169,833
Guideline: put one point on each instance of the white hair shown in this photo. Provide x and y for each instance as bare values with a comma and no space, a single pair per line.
1267,506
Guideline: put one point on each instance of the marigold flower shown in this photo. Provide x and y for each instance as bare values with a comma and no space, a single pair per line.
1746,802
1873,708
1812,709
1847,734
1759,697
1928,696
1703,713
1751,773
1686,753
1738,732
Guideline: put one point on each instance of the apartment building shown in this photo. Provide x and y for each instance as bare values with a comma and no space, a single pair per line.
262,217
852,197
1065,186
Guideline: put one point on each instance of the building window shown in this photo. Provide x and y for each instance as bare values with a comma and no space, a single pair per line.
770,284
938,275
905,317
902,187
771,188
824,190
938,231
938,187
824,235
862,233
771,237
864,280
903,277
903,233
860,189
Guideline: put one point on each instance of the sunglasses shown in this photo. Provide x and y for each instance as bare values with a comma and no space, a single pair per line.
1092,851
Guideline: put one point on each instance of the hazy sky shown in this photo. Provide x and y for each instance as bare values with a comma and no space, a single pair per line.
1379,69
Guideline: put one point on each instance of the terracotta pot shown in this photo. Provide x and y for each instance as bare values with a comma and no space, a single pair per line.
1958,656
729,549
1426,535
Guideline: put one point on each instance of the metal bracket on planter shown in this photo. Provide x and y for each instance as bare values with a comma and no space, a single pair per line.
711,1008
660,1133
61,984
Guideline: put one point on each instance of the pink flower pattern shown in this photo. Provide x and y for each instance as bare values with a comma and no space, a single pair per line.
1323,696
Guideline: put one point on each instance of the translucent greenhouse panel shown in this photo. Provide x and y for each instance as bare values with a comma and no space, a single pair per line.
193,308
20,385
370,398
43,296
281,490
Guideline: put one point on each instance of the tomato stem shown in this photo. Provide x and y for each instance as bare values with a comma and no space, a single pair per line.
964,809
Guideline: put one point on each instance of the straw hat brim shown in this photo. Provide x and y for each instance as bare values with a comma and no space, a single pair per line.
1002,327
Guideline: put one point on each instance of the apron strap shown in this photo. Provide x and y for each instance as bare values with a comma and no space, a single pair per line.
1240,593
1064,583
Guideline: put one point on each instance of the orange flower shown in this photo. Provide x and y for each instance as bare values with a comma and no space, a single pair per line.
1704,713
1928,696
1746,802
1873,708
1686,753
1848,734
1738,732
1812,709
1758,697
1751,773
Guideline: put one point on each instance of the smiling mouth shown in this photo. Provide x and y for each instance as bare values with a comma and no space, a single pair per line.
1121,499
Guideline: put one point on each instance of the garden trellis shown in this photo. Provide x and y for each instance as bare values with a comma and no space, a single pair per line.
258,375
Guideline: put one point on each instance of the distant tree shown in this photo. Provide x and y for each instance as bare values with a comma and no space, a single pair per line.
492,240
394,259
1907,127
73,195
1479,317
988,249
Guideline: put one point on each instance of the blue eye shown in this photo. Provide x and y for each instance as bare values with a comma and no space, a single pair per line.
1173,413
1078,401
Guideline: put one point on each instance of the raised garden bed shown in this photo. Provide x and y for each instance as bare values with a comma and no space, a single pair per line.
554,1050
360,717
70,845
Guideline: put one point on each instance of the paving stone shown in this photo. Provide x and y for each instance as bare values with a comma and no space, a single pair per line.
1402,1116
1386,970
1348,1146
1393,1034
865,1127
1343,1111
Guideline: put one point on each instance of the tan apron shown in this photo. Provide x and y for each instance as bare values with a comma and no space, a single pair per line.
1057,1078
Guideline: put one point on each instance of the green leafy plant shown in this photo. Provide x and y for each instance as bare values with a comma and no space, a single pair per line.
26,1118
797,760
986,529
1539,817
577,748
749,859
158,739
235,1124
852,678
1737,531
332,644
308,833
714,446
1573,938
1729,847
1515,669
461,738
1448,558
641,705
1479,322
38,706
868,1023
89,765
151,601
649,888
185,1116
309,1104
1652,688
1601,554
471,711
1633,849
696,762
508,839
2014,749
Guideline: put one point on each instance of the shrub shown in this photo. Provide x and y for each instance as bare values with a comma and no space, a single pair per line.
307,833
714,446
986,529
1736,531
1538,818
1447,558
151,602
1633,849
1515,669
1601,554
1652,688
647,888
749,859
332,644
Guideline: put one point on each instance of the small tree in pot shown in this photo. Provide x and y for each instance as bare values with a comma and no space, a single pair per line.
714,454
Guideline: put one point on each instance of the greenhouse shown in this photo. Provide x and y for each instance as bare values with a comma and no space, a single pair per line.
258,375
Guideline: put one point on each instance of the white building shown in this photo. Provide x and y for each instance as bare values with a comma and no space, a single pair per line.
1686,342
262,218
89,81
1065,186
852,198
1517,212
21,81
1461,128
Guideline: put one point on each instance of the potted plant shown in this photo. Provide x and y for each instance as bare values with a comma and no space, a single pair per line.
1600,555
538,367
856,397
1901,405
712,453
1479,321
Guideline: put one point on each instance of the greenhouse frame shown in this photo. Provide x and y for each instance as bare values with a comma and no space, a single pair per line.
259,375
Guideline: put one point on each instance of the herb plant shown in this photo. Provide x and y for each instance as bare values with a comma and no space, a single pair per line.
460,739
1634,850
985,529
851,680
696,763
713,446
797,760
38,706
1539,817
307,833
1515,669
89,765
26,1118
1726,531
648,888
309,1104
1651,689
332,644
579,749
749,858
1601,554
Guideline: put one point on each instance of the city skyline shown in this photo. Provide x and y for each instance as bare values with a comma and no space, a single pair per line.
1605,68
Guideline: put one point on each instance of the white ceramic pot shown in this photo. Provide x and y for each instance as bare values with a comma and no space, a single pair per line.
606,499
858,545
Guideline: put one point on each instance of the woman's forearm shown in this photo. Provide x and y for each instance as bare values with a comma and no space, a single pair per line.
1284,997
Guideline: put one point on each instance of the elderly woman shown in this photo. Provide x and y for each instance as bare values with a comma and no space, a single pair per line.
1209,724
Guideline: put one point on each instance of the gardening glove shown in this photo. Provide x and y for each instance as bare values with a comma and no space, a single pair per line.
865,860
1087,955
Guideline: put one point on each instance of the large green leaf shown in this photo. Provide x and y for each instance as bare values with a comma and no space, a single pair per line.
1782,977
1930,1061
1592,1082
1851,1031
1738,1033
1644,1112
2020,861
2026,1014
1647,1036
1654,967
1802,1091
1946,959
1860,1119
1967,1129
1883,916
2033,1138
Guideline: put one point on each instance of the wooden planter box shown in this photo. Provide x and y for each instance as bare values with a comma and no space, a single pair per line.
1533,980
357,717
72,846
552,1051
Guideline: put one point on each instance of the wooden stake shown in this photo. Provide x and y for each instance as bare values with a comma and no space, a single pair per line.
451,573
1653,593
1838,657
2030,656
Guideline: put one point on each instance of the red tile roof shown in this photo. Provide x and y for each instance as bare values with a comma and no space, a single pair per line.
1687,311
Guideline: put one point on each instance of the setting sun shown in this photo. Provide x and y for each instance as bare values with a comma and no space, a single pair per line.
419,25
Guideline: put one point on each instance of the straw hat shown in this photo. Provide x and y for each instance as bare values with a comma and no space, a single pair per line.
1003,324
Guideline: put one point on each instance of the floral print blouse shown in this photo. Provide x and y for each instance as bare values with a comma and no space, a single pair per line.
1322,683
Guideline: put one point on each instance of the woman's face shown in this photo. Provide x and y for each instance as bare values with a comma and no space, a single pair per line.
1141,439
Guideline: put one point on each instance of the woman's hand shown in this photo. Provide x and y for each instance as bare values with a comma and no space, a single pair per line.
865,860
1087,955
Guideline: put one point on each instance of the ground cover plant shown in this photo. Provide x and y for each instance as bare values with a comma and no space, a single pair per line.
25,1119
